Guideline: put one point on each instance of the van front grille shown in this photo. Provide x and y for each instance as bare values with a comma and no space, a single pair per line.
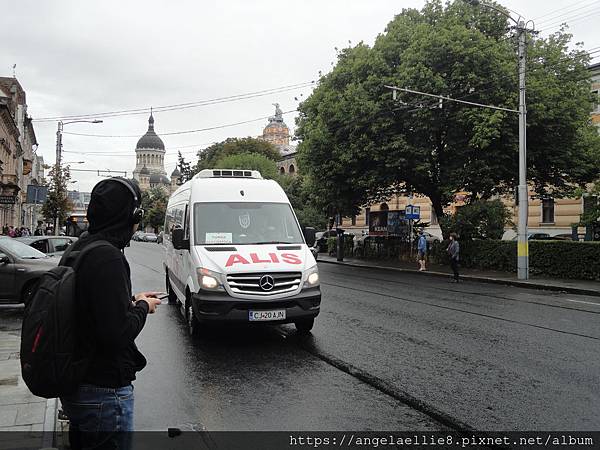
264,283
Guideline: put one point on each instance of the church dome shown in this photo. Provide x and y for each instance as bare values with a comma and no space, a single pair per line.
157,178
176,173
144,171
150,139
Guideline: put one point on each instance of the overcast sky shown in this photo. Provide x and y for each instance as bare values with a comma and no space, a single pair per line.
82,57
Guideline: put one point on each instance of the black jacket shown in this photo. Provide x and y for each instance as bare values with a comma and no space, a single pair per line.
108,320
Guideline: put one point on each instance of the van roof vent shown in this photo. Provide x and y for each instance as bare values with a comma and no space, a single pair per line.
229,173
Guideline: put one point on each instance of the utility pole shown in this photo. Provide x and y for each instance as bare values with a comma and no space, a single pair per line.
57,171
58,174
522,242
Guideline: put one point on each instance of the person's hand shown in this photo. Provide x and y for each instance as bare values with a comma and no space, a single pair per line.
144,295
153,302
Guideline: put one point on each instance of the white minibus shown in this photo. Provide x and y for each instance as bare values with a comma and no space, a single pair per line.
234,252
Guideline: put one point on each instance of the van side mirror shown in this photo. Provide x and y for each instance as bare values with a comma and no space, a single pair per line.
310,235
179,243
4,259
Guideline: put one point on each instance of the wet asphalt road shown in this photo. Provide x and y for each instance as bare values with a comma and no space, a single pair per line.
389,351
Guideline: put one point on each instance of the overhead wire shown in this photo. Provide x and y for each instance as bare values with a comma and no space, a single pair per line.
137,111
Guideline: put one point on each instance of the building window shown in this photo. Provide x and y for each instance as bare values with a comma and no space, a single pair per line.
292,168
353,220
548,210
596,100
282,170
367,213
384,207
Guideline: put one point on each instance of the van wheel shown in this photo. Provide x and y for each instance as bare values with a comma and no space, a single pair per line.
304,325
192,322
172,296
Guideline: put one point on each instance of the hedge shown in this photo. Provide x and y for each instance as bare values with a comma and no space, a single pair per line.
348,245
560,259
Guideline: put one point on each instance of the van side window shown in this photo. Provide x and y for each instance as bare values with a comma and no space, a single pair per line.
186,224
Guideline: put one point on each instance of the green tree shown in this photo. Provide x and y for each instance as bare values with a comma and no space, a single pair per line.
481,219
57,204
208,158
154,203
184,168
299,192
360,146
249,161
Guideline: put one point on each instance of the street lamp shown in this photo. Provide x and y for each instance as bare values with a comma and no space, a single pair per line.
522,243
57,174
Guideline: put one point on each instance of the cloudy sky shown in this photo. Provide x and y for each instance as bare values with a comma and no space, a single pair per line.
83,57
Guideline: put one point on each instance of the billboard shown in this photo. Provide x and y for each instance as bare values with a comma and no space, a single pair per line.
388,223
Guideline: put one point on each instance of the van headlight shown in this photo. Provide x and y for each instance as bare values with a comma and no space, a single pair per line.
312,278
209,280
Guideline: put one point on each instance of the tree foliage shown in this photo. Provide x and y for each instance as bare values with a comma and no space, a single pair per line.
184,168
249,161
57,204
299,191
154,203
360,146
479,220
208,158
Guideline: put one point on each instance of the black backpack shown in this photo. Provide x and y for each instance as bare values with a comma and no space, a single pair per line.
49,364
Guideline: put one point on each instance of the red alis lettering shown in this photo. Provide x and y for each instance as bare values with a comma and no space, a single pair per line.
256,259
274,257
290,258
236,259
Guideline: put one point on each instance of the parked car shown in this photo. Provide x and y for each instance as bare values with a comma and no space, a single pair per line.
20,268
50,245
149,237
137,235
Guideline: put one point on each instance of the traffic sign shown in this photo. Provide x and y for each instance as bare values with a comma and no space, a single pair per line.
412,212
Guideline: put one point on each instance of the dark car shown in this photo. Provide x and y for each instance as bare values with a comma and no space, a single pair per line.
20,268
50,245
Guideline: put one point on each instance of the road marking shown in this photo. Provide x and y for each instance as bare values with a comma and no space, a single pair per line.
581,301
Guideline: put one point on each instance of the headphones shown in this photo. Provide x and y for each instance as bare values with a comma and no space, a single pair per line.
138,213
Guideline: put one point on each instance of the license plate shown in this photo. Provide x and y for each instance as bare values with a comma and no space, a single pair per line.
257,316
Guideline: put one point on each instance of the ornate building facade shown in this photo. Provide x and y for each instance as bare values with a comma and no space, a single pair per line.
149,169
277,133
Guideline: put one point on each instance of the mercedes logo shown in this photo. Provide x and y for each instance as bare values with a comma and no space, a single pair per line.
266,282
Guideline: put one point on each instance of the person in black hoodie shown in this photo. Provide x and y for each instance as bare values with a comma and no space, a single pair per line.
100,410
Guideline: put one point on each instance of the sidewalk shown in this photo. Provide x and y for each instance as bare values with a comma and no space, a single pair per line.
20,411
583,287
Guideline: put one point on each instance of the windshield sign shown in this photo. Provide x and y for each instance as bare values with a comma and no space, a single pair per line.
245,223
20,250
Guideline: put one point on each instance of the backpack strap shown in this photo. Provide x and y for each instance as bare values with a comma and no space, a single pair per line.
73,258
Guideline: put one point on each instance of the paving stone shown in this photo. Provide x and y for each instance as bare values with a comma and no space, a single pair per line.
8,416
30,413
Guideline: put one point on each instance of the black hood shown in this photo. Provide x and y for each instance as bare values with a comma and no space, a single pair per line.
110,211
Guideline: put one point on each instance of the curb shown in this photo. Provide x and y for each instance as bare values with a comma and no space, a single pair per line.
517,283
49,428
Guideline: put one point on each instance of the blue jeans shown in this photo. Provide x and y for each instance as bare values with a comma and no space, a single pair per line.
100,418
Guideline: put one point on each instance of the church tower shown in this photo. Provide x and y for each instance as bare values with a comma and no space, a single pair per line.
150,159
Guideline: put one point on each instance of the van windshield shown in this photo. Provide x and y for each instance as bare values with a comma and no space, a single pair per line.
245,223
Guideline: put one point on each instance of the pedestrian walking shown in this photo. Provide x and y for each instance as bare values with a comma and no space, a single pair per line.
12,232
100,409
454,253
5,230
422,251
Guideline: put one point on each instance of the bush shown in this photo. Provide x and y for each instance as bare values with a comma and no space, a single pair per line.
348,245
560,259
479,220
